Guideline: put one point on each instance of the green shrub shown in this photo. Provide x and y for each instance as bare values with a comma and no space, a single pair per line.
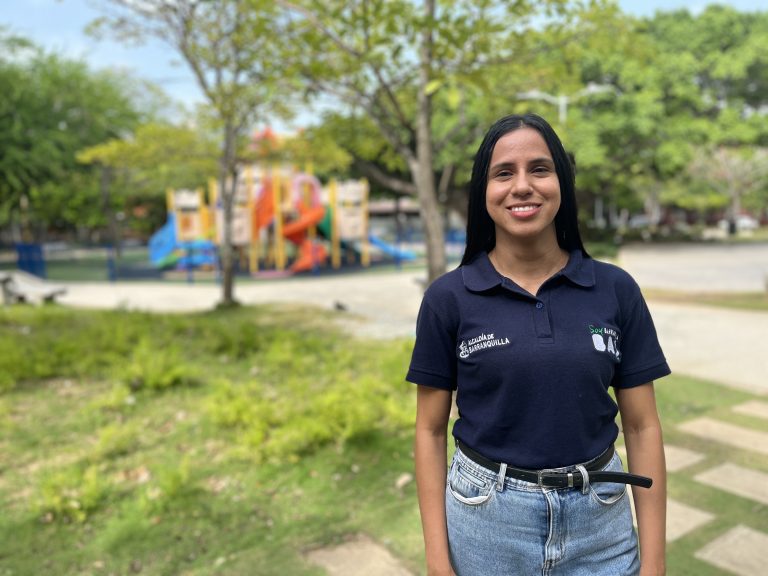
119,399
236,339
115,441
170,484
49,342
155,368
71,495
339,391
234,406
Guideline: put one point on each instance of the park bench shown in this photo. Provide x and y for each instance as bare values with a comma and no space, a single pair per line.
18,286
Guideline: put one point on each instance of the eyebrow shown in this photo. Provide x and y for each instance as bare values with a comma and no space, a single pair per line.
539,160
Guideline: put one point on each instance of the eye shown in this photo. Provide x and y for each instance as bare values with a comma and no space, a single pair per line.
502,174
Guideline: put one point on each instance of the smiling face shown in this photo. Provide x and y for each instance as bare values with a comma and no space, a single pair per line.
523,191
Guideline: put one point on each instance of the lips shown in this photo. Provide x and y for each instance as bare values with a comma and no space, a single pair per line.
523,210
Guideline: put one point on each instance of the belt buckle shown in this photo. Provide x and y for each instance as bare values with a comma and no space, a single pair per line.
543,475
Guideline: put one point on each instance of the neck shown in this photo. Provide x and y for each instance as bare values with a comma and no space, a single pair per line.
530,265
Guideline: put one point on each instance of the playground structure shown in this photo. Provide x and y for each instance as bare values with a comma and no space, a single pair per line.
283,222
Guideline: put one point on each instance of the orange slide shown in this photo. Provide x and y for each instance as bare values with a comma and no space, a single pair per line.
310,254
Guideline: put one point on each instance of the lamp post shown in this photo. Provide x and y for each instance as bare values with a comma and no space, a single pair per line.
562,100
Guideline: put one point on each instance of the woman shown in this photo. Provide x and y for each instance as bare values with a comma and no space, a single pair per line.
531,333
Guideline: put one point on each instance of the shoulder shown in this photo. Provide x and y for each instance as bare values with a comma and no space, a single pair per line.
444,295
449,284
612,278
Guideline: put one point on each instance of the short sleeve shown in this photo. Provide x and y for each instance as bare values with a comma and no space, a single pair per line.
642,359
433,362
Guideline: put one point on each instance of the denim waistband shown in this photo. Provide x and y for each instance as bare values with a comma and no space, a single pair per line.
486,473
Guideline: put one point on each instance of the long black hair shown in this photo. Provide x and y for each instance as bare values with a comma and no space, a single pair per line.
481,232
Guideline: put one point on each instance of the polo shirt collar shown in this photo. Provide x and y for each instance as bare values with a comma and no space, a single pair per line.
479,275
580,270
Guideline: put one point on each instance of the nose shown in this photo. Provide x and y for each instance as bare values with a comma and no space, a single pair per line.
521,186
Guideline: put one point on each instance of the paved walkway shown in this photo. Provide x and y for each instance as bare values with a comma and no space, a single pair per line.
699,267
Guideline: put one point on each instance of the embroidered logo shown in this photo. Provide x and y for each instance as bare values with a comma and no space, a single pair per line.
469,347
606,340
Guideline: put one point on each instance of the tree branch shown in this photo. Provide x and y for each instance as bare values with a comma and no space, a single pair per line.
313,19
446,178
397,185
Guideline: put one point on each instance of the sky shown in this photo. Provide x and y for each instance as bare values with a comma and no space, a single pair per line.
58,26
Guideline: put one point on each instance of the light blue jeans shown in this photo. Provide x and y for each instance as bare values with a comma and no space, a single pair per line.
508,527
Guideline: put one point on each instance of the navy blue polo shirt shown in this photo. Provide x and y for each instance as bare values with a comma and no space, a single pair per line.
532,373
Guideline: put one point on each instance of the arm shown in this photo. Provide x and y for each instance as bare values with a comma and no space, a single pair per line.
430,450
645,453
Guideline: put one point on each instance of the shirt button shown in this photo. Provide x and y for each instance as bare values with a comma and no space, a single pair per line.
539,305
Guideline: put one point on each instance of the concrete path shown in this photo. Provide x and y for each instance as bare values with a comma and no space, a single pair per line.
386,303
719,344
753,408
358,556
739,551
744,482
679,458
727,433
682,519
698,267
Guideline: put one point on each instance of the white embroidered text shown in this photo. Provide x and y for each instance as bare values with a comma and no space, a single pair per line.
467,347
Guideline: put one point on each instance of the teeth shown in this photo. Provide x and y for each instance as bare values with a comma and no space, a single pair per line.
523,208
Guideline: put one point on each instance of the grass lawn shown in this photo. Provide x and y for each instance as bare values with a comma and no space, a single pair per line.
757,301
233,442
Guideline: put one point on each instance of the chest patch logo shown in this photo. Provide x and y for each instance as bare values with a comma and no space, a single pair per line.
606,340
469,347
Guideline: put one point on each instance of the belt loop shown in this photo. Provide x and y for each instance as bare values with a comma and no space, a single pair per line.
584,478
500,478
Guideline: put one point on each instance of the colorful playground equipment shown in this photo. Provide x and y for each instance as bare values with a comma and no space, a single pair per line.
184,241
322,225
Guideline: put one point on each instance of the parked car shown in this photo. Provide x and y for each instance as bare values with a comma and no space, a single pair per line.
744,222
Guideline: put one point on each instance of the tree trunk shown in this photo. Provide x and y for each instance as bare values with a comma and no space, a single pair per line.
421,167
113,231
227,194
734,209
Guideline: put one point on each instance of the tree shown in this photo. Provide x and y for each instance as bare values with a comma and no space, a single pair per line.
732,173
232,48
158,156
573,72
142,166
390,60
681,83
710,77
51,107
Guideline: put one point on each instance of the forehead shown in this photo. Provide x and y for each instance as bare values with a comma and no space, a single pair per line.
518,145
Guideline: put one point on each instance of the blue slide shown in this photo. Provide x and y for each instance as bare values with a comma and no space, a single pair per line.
391,250
162,244
166,252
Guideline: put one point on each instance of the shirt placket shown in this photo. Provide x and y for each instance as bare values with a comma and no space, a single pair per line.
542,319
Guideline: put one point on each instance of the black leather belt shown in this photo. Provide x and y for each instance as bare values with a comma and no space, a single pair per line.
550,479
